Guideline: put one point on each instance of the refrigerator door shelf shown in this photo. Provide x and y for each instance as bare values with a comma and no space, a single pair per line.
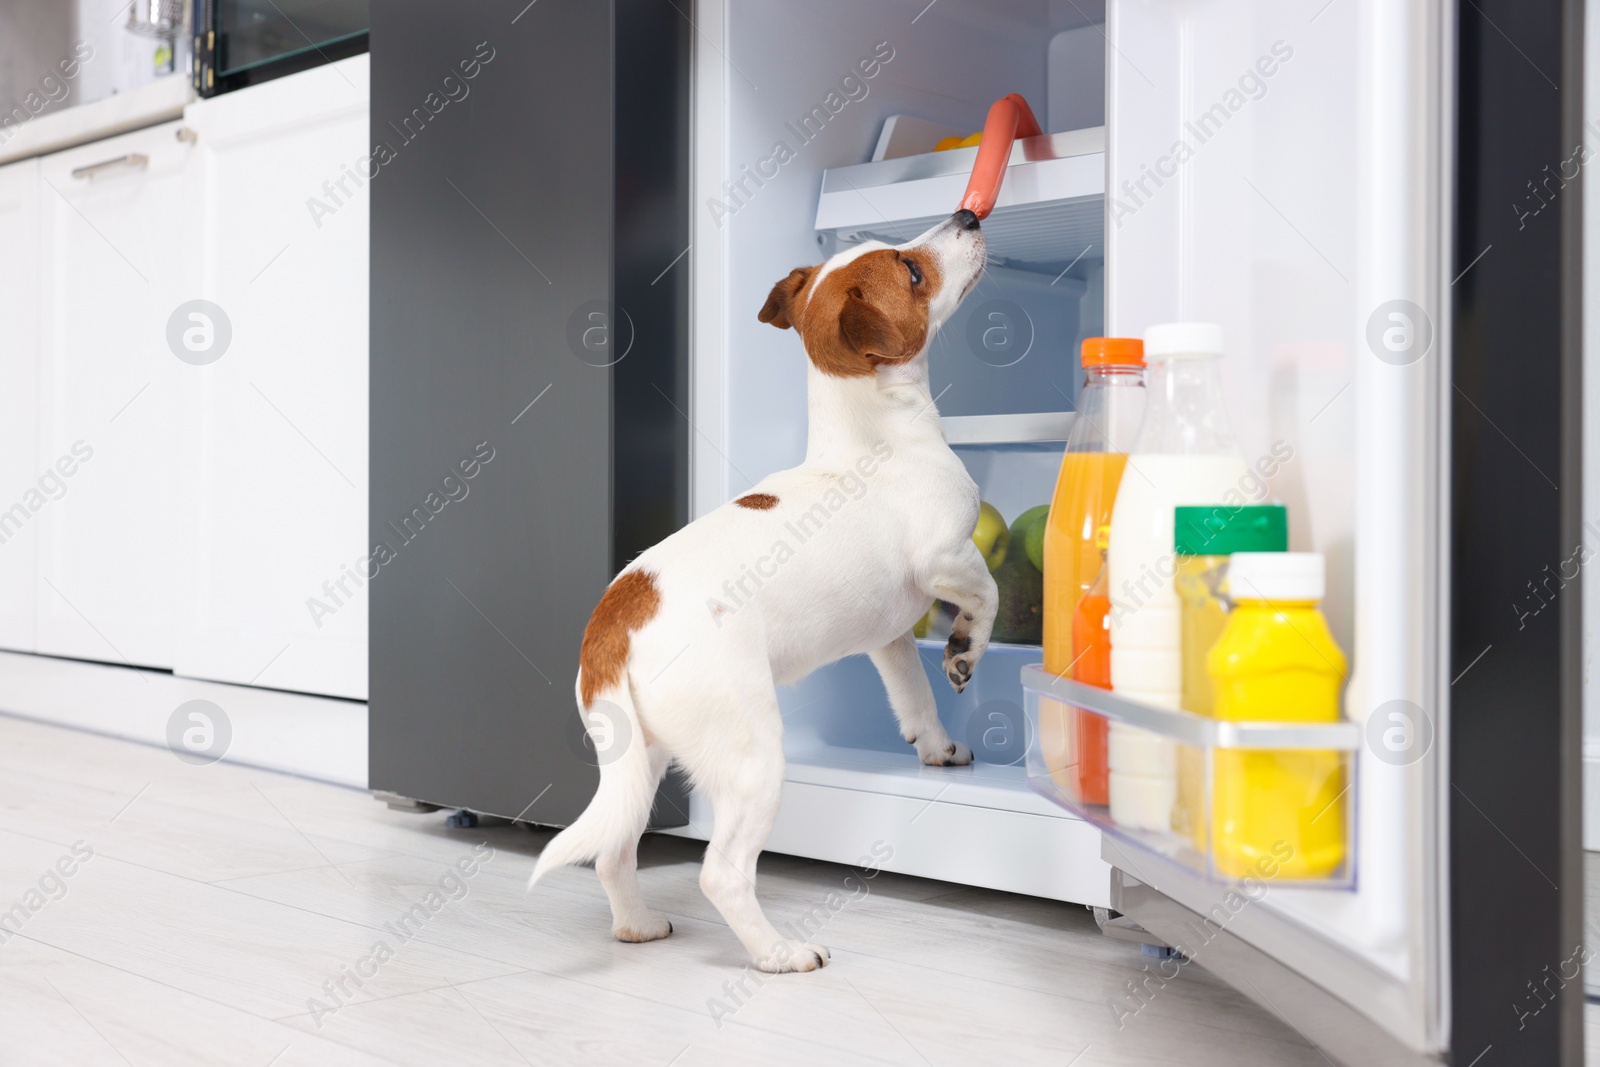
1050,211
1236,785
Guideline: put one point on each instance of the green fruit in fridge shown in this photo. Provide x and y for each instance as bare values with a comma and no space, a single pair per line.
1034,543
1020,618
990,535
1024,522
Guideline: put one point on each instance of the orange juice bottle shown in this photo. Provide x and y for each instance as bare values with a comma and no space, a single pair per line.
1110,406
1091,664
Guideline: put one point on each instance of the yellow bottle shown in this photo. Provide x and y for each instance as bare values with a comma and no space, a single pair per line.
1280,812
1204,537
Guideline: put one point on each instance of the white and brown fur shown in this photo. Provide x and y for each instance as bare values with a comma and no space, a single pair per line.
694,673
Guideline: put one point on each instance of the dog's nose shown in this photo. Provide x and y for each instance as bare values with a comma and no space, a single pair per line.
966,219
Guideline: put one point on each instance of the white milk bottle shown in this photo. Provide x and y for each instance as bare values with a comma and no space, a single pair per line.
1184,454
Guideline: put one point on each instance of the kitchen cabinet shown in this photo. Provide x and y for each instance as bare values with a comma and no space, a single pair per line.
113,268
273,583
19,388
183,418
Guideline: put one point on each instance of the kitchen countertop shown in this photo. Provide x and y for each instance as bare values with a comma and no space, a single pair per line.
159,101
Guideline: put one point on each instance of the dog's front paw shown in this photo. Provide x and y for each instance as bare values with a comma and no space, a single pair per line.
652,927
959,661
943,752
789,955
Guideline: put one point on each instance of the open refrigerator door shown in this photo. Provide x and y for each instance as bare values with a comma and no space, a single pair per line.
1274,171
1282,175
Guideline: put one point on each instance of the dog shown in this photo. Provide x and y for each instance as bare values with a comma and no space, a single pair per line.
838,556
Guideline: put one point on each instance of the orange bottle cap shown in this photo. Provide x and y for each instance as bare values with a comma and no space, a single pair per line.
1121,351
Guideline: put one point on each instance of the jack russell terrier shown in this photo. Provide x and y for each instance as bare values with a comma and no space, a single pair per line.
838,556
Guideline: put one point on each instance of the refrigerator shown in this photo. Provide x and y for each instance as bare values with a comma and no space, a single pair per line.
1376,201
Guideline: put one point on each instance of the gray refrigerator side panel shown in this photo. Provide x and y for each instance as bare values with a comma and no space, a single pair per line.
491,229
653,46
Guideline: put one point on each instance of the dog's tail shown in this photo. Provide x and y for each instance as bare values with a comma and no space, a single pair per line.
621,806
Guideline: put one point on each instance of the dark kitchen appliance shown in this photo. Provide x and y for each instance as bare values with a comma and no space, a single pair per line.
244,42
529,318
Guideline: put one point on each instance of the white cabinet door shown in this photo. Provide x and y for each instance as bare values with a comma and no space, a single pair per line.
116,226
274,584
22,483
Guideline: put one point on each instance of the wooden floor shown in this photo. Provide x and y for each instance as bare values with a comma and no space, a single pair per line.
220,909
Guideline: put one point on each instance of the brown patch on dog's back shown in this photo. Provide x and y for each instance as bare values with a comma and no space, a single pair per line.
758,501
629,602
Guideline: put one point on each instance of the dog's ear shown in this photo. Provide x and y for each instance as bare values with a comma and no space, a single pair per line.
776,309
870,332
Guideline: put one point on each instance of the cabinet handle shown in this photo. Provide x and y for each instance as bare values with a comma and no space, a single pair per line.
133,161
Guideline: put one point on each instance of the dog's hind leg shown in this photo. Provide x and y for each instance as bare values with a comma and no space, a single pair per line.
618,868
743,779
911,697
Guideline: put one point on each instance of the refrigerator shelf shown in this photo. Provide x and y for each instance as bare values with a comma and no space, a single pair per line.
938,643
987,431
1049,215
1268,801
902,774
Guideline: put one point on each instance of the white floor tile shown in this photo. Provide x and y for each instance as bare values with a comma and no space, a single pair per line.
219,901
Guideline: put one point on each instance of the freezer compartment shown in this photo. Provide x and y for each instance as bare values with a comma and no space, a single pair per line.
1232,802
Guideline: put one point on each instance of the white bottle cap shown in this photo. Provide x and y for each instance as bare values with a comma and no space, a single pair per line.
1182,340
1276,576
